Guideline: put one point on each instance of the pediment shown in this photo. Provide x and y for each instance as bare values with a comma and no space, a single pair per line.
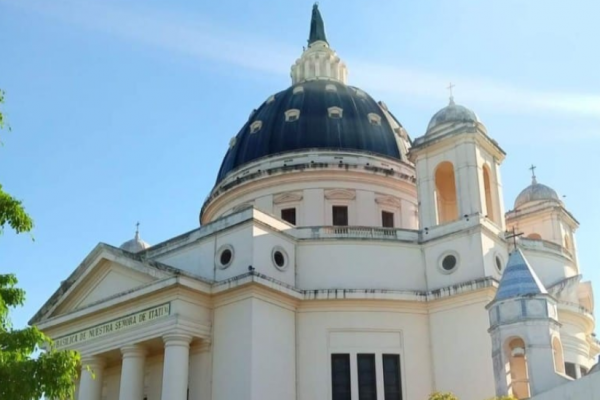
287,197
105,274
388,201
340,194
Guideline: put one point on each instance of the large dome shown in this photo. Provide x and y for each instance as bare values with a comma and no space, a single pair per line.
313,114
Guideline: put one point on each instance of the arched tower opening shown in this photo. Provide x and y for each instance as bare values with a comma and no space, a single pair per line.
446,198
518,378
487,187
557,351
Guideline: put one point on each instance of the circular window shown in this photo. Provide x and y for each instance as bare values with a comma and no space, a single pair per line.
498,262
449,262
225,256
280,258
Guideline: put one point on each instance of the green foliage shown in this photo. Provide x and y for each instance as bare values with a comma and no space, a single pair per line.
442,396
450,396
24,377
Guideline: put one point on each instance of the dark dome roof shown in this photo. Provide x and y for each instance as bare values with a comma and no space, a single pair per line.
314,129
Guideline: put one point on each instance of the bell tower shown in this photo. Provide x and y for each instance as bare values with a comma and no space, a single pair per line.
458,174
526,345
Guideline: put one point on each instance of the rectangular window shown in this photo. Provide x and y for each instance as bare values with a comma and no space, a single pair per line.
387,219
340,215
570,370
289,215
367,382
340,377
391,377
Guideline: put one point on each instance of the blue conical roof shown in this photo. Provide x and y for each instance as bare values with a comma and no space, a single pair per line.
519,279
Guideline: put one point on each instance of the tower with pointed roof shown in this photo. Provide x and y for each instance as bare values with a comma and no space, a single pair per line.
526,345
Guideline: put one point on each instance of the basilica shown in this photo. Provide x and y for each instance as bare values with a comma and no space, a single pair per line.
339,258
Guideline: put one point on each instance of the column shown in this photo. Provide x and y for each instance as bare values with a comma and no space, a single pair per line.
132,373
90,385
175,366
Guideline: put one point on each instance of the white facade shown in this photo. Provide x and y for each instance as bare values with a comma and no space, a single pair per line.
251,306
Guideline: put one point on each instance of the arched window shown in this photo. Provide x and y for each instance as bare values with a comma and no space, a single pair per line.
557,351
534,236
518,384
446,199
487,187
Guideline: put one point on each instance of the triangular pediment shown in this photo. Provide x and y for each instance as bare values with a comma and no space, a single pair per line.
105,274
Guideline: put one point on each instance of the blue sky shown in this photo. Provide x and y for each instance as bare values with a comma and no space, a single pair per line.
122,110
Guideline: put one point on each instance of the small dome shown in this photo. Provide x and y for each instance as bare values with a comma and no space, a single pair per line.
451,113
536,192
136,244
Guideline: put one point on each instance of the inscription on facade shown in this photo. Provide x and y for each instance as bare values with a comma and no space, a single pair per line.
116,325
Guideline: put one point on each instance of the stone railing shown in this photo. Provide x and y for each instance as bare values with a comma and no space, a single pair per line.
544,245
354,232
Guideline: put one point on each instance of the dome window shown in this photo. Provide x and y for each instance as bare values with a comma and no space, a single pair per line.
335,112
232,142
374,119
292,115
330,88
255,126
361,94
298,89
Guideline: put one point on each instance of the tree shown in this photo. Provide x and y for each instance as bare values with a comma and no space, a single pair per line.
25,377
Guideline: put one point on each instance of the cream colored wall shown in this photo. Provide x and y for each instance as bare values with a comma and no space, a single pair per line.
254,351
232,355
355,264
310,186
587,388
197,258
200,374
466,247
461,347
273,351
265,242
548,267
333,327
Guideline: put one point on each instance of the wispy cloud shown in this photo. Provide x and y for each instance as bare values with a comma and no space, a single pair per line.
208,41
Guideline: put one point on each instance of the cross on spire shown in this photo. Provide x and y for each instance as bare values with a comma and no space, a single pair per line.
137,229
450,87
513,235
533,177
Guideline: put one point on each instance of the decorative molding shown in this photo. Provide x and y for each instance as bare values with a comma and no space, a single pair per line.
288,197
242,206
340,194
388,201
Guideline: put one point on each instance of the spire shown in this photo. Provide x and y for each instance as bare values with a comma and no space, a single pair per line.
137,231
317,27
519,279
318,60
